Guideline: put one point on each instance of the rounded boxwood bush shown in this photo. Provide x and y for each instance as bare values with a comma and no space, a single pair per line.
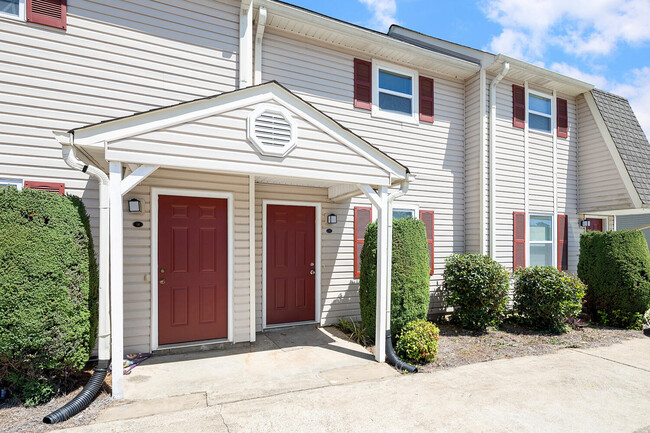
477,287
48,291
418,342
410,275
547,297
615,266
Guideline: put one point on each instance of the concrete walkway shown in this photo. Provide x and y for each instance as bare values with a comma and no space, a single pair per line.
595,390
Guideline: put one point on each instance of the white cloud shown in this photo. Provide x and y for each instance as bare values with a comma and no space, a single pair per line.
592,78
581,27
383,13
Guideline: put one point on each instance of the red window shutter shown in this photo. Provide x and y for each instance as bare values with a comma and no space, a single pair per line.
427,217
362,217
562,118
562,242
518,106
46,186
519,240
47,12
426,99
362,84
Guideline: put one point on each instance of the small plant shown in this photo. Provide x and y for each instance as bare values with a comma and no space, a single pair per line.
418,342
547,298
622,319
646,318
477,287
355,330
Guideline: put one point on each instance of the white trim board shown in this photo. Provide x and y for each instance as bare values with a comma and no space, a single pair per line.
317,283
155,193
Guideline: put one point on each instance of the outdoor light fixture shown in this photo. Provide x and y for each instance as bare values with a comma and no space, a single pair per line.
331,219
134,205
585,223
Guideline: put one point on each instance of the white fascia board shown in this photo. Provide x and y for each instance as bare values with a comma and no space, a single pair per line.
613,151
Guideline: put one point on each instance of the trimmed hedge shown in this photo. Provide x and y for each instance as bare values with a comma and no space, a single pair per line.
547,297
615,266
477,287
418,342
48,291
410,275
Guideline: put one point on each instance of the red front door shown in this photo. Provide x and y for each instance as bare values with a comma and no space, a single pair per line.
596,224
192,269
290,264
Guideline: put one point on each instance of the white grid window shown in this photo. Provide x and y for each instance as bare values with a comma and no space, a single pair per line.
394,93
539,112
540,245
12,9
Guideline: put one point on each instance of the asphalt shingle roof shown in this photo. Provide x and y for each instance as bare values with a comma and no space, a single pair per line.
629,138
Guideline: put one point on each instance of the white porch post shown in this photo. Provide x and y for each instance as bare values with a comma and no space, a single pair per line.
383,274
117,265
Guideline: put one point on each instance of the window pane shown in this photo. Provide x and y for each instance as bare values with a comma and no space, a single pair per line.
537,103
541,228
395,104
541,254
395,82
540,123
403,213
9,7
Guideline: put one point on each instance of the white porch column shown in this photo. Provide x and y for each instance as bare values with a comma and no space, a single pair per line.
117,269
383,274
251,255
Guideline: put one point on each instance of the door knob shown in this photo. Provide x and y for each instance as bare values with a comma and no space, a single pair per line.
312,272
162,270
162,281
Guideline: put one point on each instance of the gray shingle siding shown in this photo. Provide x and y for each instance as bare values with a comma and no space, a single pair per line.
629,138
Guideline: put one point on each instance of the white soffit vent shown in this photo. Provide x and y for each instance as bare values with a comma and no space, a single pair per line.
271,130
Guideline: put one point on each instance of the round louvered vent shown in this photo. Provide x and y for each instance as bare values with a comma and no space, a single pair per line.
271,130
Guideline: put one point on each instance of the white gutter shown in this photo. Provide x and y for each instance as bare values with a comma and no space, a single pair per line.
246,44
67,149
481,159
491,147
259,35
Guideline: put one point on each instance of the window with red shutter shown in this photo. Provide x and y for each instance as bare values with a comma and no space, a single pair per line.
562,118
519,240
362,84
427,217
518,106
426,99
562,242
46,186
47,12
362,217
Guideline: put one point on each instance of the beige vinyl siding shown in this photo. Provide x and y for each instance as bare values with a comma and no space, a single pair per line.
137,252
472,164
600,184
435,153
112,60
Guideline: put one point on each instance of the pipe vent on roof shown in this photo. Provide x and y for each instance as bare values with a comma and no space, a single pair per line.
271,130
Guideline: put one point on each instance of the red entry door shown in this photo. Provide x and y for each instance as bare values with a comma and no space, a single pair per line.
192,269
596,224
290,264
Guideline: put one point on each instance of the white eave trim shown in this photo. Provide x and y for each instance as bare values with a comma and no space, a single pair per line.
618,161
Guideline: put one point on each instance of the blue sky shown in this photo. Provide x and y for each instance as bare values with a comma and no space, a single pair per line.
603,42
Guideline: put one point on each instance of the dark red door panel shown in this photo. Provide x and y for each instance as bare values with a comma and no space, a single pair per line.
290,263
193,269
596,224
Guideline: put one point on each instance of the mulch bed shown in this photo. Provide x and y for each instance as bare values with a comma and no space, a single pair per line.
16,418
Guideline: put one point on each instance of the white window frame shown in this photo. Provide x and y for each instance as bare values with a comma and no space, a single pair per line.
21,12
553,240
550,116
406,207
18,183
376,112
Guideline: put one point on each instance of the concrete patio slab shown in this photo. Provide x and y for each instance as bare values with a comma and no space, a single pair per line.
156,406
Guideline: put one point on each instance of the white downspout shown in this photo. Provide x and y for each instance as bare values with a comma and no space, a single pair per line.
491,147
259,35
246,44
104,334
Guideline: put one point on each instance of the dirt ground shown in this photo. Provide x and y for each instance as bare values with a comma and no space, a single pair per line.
15,418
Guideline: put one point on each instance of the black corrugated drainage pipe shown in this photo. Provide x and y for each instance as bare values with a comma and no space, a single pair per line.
392,359
83,399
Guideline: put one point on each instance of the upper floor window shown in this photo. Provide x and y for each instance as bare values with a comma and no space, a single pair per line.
539,112
12,9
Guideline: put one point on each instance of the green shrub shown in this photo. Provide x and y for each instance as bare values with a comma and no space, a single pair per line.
621,319
48,291
547,297
477,287
355,330
418,342
615,266
410,275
